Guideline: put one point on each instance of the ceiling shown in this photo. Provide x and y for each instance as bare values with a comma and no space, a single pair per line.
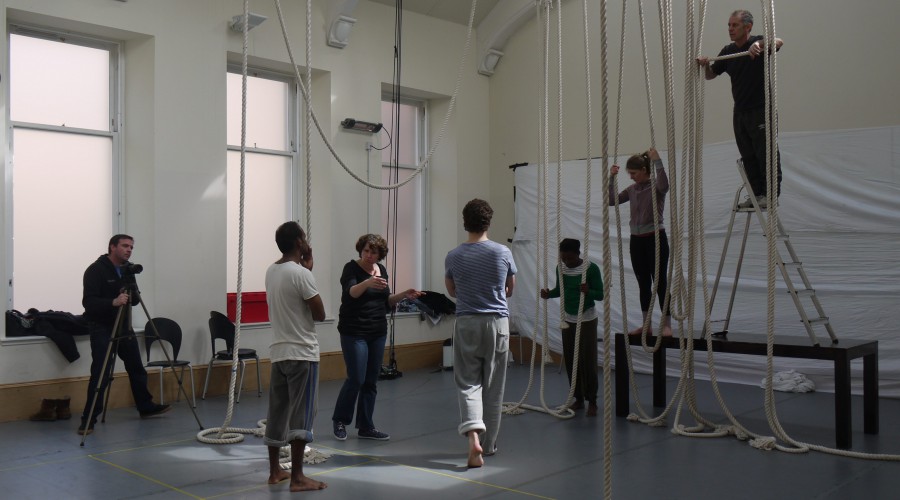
455,11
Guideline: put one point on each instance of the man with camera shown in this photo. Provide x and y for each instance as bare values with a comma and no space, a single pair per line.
109,292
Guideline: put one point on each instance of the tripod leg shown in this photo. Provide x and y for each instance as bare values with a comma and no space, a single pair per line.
104,377
109,380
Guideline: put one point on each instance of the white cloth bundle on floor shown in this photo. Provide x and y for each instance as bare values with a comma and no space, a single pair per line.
790,381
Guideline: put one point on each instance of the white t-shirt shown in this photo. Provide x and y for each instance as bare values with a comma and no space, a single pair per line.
288,286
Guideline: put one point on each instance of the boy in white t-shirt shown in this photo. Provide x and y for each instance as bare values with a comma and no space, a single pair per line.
294,306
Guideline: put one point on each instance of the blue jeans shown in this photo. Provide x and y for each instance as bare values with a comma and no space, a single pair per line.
363,355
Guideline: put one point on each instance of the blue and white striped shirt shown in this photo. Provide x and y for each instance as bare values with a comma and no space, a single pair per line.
479,272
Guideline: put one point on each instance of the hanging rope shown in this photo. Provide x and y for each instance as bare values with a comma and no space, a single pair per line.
604,143
308,129
563,411
615,186
315,119
227,434
692,155
641,415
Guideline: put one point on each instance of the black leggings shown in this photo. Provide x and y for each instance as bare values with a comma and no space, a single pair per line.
643,255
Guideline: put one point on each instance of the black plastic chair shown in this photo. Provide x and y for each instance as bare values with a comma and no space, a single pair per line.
220,327
170,332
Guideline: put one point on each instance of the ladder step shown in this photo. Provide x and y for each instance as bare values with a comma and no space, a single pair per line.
781,237
822,320
807,292
793,265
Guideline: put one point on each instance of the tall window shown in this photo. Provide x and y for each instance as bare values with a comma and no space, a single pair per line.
270,162
403,209
64,139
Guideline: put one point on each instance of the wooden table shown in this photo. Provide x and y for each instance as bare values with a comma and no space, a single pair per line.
787,347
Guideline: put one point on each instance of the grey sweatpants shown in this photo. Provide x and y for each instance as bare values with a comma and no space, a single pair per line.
480,353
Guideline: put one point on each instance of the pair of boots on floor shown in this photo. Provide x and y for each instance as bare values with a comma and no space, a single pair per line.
53,409
666,327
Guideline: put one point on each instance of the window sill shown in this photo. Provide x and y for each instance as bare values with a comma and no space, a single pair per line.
38,339
31,339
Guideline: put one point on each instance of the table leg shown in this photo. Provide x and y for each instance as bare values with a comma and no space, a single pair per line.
842,416
870,393
622,396
659,377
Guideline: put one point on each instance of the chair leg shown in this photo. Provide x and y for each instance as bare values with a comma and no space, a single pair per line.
206,384
240,386
193,390
161,387
180,385
258,379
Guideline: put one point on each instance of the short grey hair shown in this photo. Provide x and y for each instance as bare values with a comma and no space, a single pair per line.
745,16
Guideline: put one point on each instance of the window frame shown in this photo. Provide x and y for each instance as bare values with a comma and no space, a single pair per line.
293,153
421,150
113,131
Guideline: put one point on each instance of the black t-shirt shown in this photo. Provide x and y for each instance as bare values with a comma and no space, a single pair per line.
366,314
747,76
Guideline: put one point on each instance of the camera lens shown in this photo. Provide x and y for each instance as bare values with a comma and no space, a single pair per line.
129,268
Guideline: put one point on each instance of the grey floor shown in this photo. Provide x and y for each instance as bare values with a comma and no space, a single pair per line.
539,456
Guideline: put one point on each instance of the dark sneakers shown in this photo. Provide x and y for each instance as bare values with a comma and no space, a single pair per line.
155,410
340,432
85,429
373,434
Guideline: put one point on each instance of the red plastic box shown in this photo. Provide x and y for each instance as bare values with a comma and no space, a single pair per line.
253,307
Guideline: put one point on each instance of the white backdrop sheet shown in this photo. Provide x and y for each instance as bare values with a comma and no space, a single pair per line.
840,204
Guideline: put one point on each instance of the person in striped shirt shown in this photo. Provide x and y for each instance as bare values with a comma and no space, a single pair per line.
480,274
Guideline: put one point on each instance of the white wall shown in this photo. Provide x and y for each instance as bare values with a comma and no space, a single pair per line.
176,53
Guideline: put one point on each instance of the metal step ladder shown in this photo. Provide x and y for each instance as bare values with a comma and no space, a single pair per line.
792,266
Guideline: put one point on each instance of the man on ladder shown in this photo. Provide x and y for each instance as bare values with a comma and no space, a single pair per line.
748,91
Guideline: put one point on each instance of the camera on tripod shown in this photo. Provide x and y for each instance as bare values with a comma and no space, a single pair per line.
130,269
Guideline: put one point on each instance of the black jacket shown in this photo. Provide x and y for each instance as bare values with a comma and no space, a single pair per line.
102,284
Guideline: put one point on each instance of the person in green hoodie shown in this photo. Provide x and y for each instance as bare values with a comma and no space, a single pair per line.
573,266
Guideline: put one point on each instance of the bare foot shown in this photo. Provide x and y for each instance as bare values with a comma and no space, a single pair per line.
306,484
475,459
638,330
667,331
281,475
475,451
592,410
